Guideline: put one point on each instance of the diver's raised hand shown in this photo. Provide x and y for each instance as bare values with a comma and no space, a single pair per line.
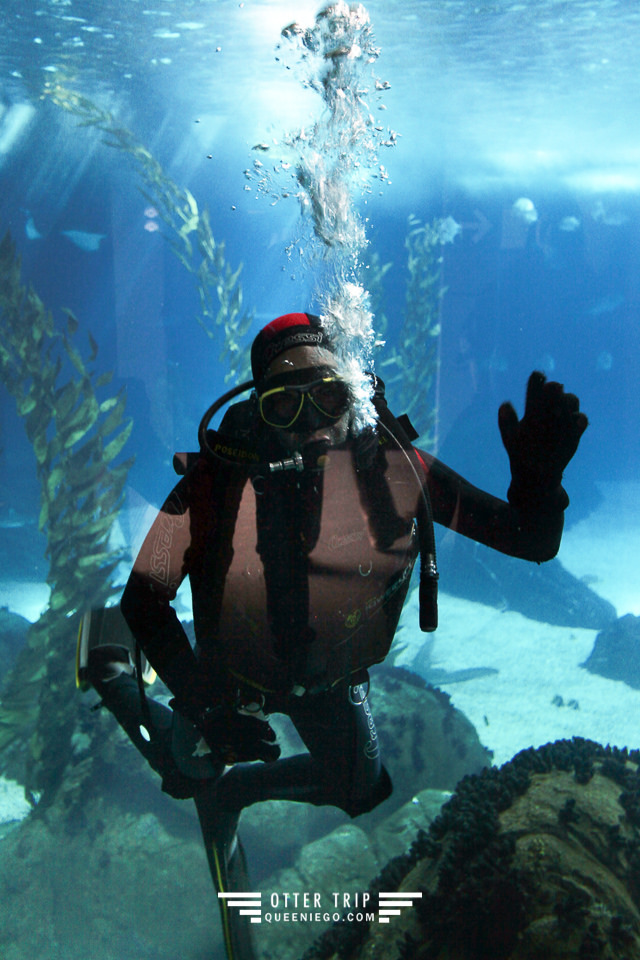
542,443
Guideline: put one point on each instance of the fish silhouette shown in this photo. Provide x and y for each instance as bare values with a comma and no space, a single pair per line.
86,241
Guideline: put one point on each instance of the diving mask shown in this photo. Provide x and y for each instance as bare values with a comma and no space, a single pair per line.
280,406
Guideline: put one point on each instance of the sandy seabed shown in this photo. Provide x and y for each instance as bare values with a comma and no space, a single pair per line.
541,692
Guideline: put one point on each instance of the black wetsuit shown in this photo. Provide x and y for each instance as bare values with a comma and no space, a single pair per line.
216,529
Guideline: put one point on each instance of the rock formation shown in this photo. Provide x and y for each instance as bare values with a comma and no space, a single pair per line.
539,858
616,652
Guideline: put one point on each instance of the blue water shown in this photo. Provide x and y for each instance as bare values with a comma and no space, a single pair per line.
492,103
518,120
513,119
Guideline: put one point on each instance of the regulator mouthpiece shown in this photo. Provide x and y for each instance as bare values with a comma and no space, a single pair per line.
295,462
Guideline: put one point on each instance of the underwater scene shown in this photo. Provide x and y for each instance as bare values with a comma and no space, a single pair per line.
385,632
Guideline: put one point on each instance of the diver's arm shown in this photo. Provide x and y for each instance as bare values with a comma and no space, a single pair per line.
159,569
531,534
165,558
539,446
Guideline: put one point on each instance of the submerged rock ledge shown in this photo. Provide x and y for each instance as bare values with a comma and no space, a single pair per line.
539,858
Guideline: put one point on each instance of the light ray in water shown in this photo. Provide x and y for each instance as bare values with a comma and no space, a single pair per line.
14,120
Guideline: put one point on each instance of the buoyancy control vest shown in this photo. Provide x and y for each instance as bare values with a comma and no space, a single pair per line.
303,572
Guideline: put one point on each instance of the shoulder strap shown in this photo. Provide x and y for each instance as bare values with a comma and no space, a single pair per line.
401,430
230,446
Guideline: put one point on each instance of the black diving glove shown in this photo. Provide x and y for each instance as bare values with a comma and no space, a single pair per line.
541,444
235,737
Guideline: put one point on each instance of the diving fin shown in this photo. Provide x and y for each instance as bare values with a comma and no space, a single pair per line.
228,867
105,627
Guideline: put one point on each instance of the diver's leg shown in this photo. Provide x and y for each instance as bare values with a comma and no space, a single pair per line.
343,743
113,677
228,867
342,767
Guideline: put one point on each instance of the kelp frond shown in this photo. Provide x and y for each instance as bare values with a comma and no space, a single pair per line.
76,438
188,230
410,367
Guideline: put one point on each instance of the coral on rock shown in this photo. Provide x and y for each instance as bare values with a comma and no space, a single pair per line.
538,858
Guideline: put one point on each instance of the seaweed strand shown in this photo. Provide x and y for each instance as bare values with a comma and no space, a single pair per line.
190,235
77,439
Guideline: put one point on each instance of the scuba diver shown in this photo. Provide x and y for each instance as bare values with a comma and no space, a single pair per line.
299,532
